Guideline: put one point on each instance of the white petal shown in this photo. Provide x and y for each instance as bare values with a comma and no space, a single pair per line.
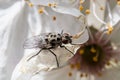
83,38
116,15
45,61
70,3
115,35
65,10
60,74
43,2
110,74
92,18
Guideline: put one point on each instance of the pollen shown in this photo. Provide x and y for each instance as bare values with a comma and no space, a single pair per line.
69,74
41,10
30,4
95,59
81,51
80,7
87,11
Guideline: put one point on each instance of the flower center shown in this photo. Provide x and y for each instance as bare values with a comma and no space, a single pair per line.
91,54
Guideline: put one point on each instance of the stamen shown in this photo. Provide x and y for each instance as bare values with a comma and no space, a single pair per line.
93,50
101,8
110,29
54,5
95,59
76,36
118,2
70,74
94,12
49,4
30,4
41,10
54,18
77,65
81,51
81,1
80,7
90,34
99,74
81,75
86,75
112,34
72,66
101,36
87,11
108,63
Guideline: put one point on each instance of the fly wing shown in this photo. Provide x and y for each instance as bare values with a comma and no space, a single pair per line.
34,42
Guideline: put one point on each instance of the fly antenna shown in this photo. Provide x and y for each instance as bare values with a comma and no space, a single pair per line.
62,32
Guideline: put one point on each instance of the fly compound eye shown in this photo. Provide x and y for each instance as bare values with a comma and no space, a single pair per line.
58,39
46,40
65,41
54,35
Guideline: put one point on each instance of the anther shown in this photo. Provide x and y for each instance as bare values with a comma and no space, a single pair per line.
81,51
93,50
87,11
69,74
110,29
118,2
101,8
30,4
54,18
108,63
81,75
77,65
95,59
99,74
86,75
81,1
80,7
41,10
72,66
54,5
49,4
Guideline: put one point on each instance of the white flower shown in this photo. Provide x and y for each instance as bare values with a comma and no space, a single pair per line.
98,58
69,72
18,21
42,64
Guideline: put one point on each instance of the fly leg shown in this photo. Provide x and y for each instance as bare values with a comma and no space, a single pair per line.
35,55
67,49
55,57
